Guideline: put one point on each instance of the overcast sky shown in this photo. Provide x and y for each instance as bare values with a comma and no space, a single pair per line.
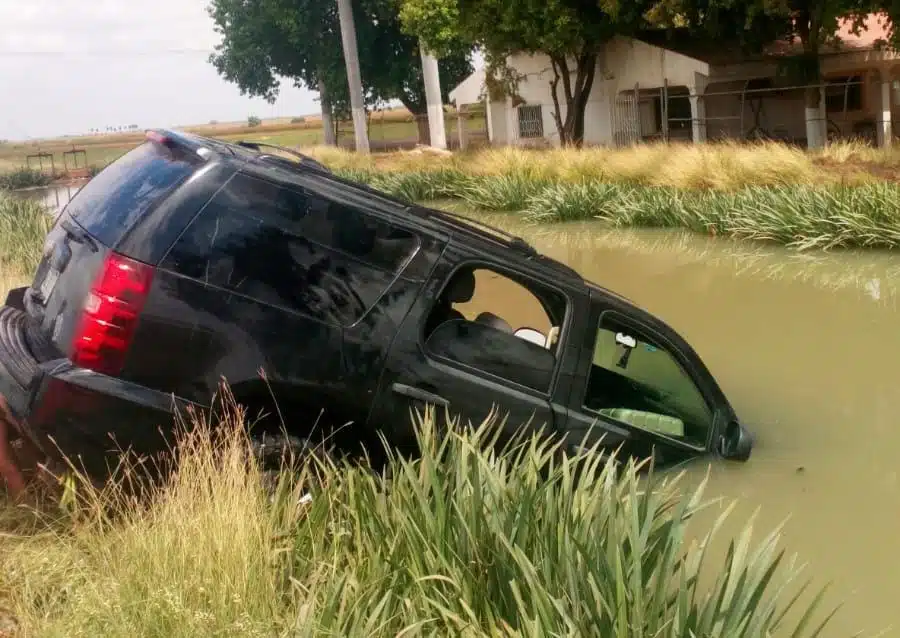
67,66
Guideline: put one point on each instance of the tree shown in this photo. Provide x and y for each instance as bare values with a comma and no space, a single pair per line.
570,33
301,40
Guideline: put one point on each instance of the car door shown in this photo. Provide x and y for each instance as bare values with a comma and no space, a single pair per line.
469,368
641,388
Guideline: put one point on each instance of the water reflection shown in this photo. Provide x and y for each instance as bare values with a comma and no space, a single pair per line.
53,197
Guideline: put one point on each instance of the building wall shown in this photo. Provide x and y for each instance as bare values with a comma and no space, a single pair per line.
626,64
623,63
632,62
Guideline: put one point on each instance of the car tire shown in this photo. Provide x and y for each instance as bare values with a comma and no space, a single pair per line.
18,360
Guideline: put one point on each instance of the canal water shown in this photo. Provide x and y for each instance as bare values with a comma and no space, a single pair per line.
807,348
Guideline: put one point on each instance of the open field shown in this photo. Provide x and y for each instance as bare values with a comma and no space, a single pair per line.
386,127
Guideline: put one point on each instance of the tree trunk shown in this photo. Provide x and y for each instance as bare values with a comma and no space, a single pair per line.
422,127
575,94
327,120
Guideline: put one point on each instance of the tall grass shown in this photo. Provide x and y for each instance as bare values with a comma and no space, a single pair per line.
23,227
461,541
717,166
799,216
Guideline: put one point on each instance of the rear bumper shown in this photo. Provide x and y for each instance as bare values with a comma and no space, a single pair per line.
75,415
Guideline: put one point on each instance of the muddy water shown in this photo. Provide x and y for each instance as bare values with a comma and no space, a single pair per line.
808,350
807,347
53,197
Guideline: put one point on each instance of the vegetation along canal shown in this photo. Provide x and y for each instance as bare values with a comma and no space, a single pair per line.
805,345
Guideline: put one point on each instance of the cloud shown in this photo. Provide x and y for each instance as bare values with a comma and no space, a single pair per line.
76,26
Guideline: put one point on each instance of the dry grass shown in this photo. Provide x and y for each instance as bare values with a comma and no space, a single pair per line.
719,166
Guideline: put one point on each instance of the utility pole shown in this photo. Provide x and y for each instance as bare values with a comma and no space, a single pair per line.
432,79
351,59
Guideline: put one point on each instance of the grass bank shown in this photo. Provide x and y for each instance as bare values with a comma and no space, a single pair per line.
23,226
458,542
843,197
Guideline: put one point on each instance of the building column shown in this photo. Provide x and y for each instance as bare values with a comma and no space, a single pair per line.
698,108
883,126
512,123
488,119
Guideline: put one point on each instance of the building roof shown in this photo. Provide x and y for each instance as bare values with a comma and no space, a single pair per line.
469,90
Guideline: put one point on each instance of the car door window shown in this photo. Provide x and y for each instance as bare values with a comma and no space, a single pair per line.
636,382
504,325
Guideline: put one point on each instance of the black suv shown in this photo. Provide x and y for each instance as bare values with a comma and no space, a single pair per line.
190,260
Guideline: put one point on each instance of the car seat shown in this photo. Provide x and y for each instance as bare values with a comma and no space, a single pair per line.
459,289
492,320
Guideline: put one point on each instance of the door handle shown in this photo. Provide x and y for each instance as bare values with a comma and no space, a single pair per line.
420,395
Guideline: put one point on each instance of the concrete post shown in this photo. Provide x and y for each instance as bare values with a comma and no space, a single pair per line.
698,108
354,81
884,128
462,128
433,97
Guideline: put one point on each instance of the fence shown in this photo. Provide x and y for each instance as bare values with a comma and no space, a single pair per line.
747,110
388,131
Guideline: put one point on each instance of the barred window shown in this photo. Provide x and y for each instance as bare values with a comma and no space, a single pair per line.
531,121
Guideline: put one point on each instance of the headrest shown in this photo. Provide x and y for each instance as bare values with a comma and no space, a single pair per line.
492,320
461,287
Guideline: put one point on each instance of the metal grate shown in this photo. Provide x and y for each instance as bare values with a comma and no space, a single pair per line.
531,121
627,123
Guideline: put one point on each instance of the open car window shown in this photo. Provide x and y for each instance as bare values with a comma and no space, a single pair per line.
502,324
638,383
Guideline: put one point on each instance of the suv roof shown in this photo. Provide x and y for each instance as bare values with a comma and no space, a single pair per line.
455,225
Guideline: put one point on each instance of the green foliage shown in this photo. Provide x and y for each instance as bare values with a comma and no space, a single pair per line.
253,121
301,40
23,226
24,178
457,542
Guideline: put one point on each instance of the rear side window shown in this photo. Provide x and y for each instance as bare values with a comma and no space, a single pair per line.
109,204
290,249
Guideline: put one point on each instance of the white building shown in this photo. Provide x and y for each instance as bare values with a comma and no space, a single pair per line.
671,87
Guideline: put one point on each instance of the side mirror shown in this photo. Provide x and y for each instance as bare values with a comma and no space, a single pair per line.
532,335
736,442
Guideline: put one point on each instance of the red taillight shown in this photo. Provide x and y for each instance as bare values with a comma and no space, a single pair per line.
155,136
111,314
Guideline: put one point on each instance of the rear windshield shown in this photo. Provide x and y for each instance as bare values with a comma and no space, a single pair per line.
109,204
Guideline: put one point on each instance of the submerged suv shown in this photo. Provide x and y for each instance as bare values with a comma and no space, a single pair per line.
328,304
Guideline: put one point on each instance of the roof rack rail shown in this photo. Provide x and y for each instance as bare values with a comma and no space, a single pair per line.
258,146
514,240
